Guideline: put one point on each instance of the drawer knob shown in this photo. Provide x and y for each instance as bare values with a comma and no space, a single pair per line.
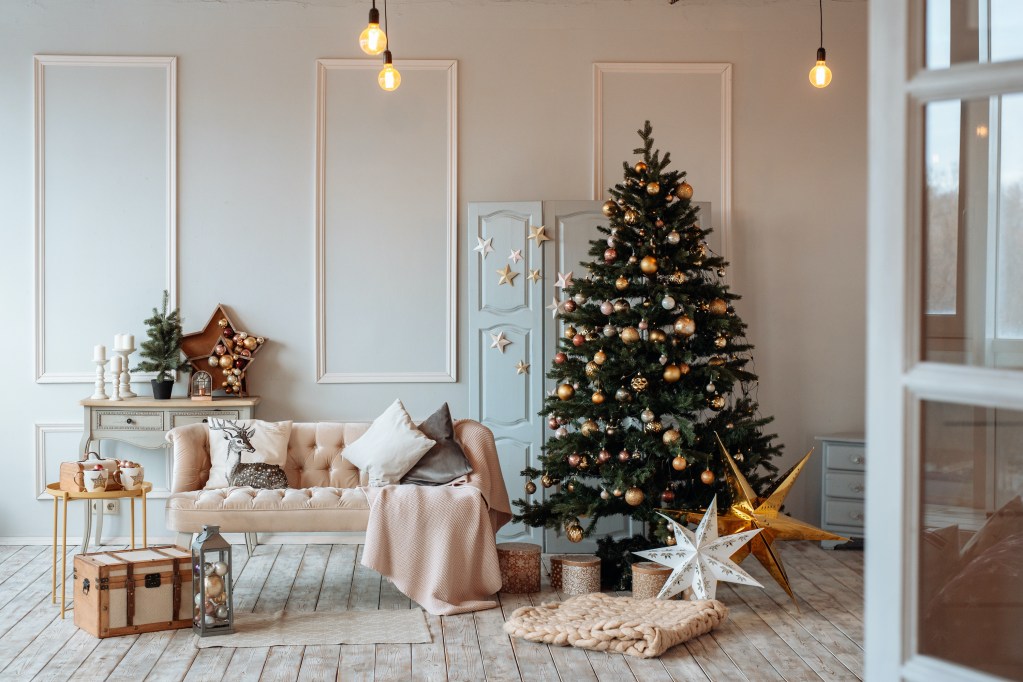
205,420
858,488
858,459
129,420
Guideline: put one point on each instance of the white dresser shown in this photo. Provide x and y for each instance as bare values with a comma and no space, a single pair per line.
843,484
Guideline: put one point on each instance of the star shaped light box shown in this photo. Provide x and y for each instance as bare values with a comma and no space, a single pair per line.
224,351
750,512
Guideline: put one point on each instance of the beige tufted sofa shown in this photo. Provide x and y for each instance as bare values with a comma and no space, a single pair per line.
322,493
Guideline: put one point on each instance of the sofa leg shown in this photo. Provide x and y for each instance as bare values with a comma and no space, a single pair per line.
184,540
251,540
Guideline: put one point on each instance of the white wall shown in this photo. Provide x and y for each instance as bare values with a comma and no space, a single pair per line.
246,150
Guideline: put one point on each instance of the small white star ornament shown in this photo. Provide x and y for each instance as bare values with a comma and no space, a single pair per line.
516,255
556,307
701,559
499,341
485,246
564,280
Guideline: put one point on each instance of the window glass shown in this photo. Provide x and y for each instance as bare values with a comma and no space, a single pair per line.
971,31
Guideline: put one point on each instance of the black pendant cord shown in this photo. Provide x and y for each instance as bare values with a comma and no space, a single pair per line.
388,33
820,4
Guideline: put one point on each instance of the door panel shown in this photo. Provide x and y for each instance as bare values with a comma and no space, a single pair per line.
504,395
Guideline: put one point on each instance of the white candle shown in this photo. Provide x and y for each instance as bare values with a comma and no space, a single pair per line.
130,343
99,353
117,342
115,366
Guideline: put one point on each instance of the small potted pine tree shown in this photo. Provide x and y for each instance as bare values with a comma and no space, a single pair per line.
162,350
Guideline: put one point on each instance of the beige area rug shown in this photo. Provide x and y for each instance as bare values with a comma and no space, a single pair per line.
387,626
644,628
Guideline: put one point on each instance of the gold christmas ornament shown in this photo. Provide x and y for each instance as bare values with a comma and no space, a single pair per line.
670,437
684,191
622,283
634,496
589,428
670,541
591,369
717,403
749,512
653,188
718,306
574,533
630,335
639,383
677,277
530,487
597,398
631,217
546,481
707,476
570,486
657,336
609,209
648,265
565,391
679,463
570,332
621,306
654,426
716,361
640,167
616,492
227,361
720,342
672,374
685,326
674,237
599,357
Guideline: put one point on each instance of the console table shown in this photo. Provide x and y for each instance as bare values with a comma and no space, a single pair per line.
145,422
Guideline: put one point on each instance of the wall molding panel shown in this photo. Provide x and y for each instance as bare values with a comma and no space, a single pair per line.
106,149
711,139
368,158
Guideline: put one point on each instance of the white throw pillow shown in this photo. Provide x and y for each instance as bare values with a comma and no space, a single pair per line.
390,447
268,441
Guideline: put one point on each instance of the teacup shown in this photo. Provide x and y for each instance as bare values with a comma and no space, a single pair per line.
130,476
95,480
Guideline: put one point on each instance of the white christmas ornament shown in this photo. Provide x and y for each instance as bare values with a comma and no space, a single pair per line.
499,341
484,247
701,559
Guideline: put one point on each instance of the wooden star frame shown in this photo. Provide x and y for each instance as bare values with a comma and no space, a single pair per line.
200,346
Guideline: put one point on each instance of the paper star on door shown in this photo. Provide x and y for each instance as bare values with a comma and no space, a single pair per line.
748,511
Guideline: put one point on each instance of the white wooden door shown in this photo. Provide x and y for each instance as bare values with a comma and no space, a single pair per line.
506,364
945,340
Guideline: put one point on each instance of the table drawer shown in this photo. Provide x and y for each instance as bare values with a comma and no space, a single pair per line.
128,420
201,417
843,513
844,484
845,456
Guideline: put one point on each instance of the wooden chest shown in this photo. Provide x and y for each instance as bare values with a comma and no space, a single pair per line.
134,590
72,477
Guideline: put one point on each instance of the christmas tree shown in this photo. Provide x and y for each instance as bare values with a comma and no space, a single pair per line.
653,363
162,350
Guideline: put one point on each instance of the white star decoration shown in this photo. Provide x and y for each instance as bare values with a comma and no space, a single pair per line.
484,247
701,559
516,255
556,307
534,276
564,280
522,367
499,341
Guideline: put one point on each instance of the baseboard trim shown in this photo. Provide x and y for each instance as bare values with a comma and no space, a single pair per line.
233,538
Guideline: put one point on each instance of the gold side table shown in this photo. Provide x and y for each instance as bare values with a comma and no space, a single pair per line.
65,495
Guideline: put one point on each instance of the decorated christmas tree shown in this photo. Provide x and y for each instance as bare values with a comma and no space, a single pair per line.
653,363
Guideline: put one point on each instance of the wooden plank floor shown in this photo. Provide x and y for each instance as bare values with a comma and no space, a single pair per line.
765,638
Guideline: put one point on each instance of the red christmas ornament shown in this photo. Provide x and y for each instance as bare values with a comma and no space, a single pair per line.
573,460
603,456
578,340
553,423
667,497
560,358
624,456
610,255
569,306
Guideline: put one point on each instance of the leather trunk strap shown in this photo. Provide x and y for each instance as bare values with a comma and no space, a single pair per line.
176,599
129,586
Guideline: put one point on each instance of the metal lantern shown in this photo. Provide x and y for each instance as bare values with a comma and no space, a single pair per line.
201,386
212,588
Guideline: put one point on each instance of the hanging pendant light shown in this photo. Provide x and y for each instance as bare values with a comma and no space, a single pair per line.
389,78
820,74
373,40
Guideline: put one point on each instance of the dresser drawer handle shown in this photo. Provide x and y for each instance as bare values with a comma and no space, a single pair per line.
858,516
858,459
205,420
858,488
129,420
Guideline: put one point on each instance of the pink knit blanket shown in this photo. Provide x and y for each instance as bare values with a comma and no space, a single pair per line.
436,544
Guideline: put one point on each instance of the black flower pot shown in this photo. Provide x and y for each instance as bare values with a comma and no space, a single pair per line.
162,389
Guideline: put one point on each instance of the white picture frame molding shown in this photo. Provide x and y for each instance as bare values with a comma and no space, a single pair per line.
372,67
723,70
169,65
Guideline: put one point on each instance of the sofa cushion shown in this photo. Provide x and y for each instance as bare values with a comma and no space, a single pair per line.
390,447
269,443
238,510
445,461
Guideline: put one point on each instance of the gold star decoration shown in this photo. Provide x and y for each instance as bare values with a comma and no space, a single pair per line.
507,276
522,367
534,276
748,512
537,233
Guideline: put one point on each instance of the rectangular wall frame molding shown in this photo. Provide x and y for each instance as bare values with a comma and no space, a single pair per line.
386,161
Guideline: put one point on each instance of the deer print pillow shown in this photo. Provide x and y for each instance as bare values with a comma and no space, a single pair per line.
245,441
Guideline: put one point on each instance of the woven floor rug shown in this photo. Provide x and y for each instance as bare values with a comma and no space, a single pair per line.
644,628
386,626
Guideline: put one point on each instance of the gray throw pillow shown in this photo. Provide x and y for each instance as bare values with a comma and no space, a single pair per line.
445,461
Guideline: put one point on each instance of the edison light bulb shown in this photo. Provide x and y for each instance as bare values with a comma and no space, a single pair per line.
389,77
373,40
820,74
